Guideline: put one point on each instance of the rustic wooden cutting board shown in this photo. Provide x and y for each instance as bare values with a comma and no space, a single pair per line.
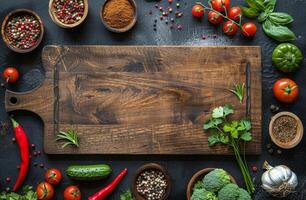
141,99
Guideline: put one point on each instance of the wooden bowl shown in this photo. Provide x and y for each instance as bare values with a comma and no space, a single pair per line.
298,137
63,25
148,167
16,13
120,30
199,176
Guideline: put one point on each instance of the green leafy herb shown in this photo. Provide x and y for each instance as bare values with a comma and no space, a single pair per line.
231,133
278,32
274,23
198,185
239,91
28,194
70,136
127,195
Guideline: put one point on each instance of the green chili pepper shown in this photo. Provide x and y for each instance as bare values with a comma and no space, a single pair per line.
287,57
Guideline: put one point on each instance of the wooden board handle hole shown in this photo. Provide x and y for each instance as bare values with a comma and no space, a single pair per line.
13,100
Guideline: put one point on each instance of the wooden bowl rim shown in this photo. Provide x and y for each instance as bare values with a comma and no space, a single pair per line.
298,137
120,30
201,174
148,167
15,13
63,25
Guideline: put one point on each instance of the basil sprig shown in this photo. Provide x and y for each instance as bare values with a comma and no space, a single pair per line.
274,23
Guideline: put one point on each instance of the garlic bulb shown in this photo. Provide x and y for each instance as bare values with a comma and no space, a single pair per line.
279,181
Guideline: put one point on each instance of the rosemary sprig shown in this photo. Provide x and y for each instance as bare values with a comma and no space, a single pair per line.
238,91
70,136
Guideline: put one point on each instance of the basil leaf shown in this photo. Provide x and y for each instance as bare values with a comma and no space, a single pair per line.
280,18
246,136
278,32
249,12
263,16
269,5
256,4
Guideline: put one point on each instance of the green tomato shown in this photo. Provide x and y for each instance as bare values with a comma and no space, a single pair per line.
287,57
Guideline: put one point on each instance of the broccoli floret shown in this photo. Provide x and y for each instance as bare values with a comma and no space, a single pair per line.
244,195
198,185
215,180
229,192
202,194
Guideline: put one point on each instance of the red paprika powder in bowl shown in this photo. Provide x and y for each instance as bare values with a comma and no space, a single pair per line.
119,15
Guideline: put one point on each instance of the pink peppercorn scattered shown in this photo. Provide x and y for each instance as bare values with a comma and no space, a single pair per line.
41,165
8,179
18,167
35,153
13,140
170,1
38,153
7,189
179,27
254,168
33,146
69,12
23,31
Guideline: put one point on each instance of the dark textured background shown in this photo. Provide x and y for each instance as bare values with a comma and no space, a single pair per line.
181,167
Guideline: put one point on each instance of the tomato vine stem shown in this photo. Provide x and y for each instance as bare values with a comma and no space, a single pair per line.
221,14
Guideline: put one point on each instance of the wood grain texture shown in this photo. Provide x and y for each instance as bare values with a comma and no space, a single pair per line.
141,99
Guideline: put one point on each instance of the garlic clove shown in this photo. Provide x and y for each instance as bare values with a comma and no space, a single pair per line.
293,181
276,175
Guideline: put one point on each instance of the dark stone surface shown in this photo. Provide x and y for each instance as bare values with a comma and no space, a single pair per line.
181,168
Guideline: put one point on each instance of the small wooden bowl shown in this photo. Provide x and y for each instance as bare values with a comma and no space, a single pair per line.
120,30
17,13
299,134
148,167
63,25
199,176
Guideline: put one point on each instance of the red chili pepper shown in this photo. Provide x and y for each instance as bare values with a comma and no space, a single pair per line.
104,192
23,144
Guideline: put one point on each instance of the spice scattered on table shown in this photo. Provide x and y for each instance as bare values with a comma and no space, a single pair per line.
274,108
118,13
151,184
285,128
23,31
69,12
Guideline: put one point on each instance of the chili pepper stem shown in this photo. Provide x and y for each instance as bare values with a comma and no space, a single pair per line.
15,124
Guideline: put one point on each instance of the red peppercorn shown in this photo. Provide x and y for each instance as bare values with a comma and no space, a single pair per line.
7,189
33,146
41,165
13,140
8,179
254,168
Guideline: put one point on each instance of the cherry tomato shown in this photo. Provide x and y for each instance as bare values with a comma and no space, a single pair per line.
230,28
72,193
219,5
234,13
197,11
45,191
53,176
11,75
249,29
285,90
214,17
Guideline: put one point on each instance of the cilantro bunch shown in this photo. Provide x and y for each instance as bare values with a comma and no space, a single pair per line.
28,194
231,133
